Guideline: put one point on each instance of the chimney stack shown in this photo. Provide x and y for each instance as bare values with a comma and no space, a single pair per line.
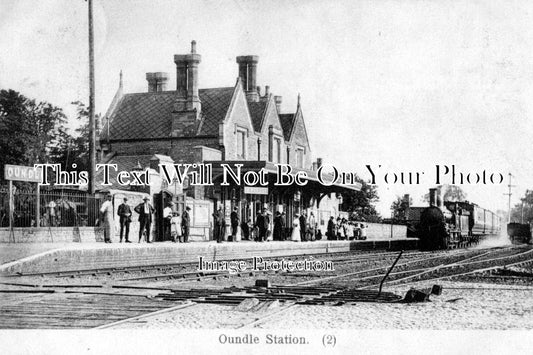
248,75
318,162
278,100
187,80
157,81
433,197
267,90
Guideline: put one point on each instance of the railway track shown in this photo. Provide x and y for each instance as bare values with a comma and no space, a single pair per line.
32,301
178,268
376,272
524,259
34,304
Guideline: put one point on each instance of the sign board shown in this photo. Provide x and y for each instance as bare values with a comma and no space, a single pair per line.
23,173
201,214
252,190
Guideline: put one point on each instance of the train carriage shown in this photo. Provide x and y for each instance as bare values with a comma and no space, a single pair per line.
478,227
445,225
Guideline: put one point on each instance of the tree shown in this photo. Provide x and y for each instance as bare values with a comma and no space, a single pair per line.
27,129
360,204
399,208
523,212
73,149
449,193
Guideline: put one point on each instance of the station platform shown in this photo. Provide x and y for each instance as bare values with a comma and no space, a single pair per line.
56,257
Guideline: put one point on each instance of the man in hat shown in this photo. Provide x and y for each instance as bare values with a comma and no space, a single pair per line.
331,228
106,212
186,224
284,235
303,225
261,223
234,218
311,226
167,216
124,213
145,211
220,225
279,225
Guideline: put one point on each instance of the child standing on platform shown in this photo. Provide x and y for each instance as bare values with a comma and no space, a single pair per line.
175,228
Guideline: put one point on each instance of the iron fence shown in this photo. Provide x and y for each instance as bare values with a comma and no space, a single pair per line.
56,209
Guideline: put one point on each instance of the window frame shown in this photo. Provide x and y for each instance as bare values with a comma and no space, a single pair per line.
244,142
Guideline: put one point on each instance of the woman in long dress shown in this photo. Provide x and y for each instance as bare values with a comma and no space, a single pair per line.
295,236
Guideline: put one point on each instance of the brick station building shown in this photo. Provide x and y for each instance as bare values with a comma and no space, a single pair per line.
233,125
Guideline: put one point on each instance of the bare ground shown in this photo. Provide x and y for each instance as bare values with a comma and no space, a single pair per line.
461,306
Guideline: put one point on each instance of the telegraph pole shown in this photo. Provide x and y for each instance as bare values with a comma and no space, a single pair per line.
509,194
92,130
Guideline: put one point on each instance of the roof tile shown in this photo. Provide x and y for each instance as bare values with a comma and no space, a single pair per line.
287,123
149,115
257,110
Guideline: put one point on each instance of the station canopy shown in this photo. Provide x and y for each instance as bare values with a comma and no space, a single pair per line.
313,183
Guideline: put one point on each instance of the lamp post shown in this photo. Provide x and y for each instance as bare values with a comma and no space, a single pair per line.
92,131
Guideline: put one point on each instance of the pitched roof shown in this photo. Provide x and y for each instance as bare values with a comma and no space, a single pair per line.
287,124
257,111
149,114
215,105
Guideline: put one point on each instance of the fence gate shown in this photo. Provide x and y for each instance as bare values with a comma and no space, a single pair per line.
161,200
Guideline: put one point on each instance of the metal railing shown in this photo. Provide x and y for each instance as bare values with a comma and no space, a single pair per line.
56,208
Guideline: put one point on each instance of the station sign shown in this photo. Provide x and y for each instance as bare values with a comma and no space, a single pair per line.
23,173
253,190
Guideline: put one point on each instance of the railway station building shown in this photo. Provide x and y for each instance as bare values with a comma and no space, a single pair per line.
235,125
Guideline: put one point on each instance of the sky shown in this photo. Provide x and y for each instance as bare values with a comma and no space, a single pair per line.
405,85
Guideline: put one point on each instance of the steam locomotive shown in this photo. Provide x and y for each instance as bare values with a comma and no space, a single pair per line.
448,225
519,233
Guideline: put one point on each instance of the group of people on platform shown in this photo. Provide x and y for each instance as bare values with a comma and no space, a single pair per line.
267,227
343,229
174,225
304,227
